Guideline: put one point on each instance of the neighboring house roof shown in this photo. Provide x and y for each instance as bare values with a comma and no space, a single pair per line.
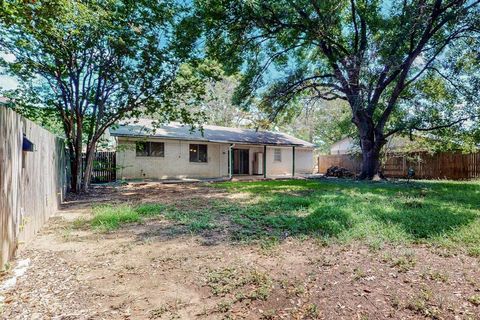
343,146
146,128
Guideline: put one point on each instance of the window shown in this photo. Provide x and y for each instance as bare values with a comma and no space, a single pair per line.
150,149
198,153
277,155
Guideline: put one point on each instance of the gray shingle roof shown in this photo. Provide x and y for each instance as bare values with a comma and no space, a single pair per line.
146,128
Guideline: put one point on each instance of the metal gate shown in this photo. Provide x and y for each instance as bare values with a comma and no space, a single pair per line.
104,167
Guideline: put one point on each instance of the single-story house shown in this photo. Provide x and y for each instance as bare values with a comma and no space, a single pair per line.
174,151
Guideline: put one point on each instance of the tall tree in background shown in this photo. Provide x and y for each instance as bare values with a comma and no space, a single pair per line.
95,62
220,110
387,59
218,107
322,123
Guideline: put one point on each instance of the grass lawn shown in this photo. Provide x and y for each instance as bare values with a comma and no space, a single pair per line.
440,213
111,217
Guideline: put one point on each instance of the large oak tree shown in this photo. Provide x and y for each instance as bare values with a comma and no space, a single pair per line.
390,60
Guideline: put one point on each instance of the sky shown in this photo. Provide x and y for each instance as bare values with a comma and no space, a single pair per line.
7,82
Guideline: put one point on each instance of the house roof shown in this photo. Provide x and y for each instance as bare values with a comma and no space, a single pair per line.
147,128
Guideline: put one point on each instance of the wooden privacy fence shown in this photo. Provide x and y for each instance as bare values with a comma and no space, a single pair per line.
442,165
104,167
32,183
352,163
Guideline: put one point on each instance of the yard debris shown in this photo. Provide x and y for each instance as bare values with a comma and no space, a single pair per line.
339,172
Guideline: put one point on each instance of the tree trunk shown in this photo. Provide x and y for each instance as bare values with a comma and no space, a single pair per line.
75,153
87,174
371,142
370,164
75,168
77,172
371,149
73,171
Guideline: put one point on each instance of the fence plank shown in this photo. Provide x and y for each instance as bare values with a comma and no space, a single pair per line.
32,184
443,165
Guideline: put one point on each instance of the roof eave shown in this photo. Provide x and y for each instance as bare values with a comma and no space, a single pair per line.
207,140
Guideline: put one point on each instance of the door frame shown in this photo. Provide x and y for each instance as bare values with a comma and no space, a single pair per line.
236,153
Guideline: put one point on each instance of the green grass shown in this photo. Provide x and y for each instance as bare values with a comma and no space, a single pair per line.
437,212
150,209
194,220
111,217
440,213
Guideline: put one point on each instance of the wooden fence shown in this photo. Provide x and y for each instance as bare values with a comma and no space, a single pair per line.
32,183
104,167
443,165
349,162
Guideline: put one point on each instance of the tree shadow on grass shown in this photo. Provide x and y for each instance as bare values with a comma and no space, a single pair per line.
326,223
355,210
428,222
277,216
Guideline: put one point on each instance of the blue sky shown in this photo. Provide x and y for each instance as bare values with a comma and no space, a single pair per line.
7,82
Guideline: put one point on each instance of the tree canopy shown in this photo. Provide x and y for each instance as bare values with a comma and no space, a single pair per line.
95,62
400,65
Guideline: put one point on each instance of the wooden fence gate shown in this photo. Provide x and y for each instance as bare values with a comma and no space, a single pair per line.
104,167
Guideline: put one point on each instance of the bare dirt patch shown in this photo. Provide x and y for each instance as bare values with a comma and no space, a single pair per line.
159,270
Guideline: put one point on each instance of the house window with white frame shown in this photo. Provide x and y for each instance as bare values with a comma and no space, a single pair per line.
277,155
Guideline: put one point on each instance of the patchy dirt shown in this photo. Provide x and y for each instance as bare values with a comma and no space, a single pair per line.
154,271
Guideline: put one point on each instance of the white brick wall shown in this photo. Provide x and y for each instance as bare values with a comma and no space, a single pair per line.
176,163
